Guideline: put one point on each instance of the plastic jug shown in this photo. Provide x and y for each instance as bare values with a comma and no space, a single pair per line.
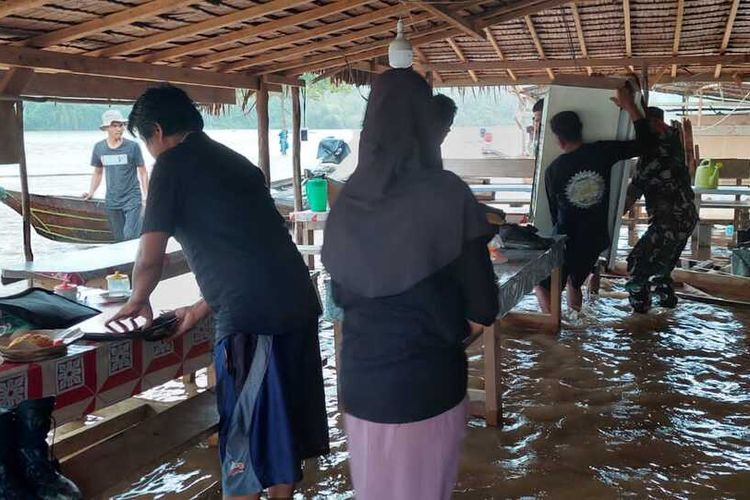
317,194
707,174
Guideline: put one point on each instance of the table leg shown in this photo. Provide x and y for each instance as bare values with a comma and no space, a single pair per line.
337,337
308,237
695,241
556,299
492,375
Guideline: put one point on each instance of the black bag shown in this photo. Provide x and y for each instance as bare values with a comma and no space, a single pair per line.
523,238
45,309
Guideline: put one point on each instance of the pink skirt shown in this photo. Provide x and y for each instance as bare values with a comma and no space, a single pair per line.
413,461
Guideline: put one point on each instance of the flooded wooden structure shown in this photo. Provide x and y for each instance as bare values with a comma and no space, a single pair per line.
220,51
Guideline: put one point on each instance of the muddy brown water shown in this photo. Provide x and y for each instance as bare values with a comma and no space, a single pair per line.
654,406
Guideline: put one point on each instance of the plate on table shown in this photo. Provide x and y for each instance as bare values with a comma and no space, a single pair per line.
114,297
32,346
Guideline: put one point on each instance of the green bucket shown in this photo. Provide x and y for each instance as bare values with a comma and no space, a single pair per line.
317,194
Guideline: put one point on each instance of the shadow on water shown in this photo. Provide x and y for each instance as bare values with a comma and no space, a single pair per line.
618,405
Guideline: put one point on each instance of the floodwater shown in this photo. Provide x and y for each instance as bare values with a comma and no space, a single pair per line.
653,406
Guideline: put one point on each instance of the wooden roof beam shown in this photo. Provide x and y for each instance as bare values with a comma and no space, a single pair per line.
496,47
467,26
727,33
330,42
22,57
579,32
423,60
98,24
269,27
10,7
677,33
258,10
521,9
306,35
461,57
617,62
538,44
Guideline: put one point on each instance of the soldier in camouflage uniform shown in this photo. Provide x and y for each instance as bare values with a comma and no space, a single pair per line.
663,178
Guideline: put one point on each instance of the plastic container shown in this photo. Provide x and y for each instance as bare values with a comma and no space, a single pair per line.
118,283
317,194
67,290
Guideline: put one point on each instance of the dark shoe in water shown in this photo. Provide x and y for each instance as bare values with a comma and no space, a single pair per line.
11,487
667,297
40,472
639,297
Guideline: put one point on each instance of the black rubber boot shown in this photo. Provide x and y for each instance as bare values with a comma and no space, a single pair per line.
40,472
667,297
639,296
11,487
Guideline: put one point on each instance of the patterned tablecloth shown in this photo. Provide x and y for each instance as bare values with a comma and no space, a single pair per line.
94,375
516,278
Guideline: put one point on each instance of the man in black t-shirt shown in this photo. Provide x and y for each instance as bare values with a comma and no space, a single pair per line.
577,186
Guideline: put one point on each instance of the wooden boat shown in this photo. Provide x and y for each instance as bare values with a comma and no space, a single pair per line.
74,220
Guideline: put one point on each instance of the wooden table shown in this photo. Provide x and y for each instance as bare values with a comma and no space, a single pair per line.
94,375
516,278
91,266
701,243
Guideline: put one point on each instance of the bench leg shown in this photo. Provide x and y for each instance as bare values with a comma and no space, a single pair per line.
337,337
556,299
492,375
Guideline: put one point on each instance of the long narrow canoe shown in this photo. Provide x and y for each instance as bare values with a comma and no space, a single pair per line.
74,220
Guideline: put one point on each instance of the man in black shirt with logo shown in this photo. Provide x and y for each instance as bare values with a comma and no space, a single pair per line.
577,185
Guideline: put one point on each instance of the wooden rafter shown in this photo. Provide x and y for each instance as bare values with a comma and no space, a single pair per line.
21,57
254,31
537,43
98,24
15,80
330,42
424,61
521,9
453,17
579,32
651,61
628,38
10,7
727,33
259,10
493,41
677,33
461,57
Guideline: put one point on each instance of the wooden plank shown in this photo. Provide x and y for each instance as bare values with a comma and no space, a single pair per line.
10,7
522,9
329,42
537,43
492,372
496,47
84,65
579,32
256,11
514,168
66,85
460,54
677,32
15,80
98,24
628,39
727,33
296,153
146,443
651,61
25,199
463,24
264,155
255,31
130,412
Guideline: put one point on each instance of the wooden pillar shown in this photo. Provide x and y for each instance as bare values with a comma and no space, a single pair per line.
296,149
264,152
25,199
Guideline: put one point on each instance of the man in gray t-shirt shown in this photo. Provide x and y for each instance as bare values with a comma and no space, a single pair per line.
121,162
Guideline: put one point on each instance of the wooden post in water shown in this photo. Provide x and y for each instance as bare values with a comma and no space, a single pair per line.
264,154
297,159
25,199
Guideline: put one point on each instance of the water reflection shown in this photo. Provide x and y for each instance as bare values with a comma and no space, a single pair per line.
617,405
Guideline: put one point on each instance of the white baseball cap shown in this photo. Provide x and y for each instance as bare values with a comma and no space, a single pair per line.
111,115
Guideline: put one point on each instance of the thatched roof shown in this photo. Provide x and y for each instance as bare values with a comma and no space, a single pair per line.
226,44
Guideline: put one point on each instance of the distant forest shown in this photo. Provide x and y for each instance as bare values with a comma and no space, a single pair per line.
326,107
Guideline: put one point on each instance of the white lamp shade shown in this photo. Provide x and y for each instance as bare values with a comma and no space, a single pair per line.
400,54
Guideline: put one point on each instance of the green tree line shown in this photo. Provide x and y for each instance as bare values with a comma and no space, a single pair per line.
325,106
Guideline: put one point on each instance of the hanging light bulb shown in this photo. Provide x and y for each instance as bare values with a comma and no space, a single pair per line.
400,54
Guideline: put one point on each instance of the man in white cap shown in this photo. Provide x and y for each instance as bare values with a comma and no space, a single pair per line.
124,165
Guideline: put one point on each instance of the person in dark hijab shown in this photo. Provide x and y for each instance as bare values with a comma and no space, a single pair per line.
406,247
